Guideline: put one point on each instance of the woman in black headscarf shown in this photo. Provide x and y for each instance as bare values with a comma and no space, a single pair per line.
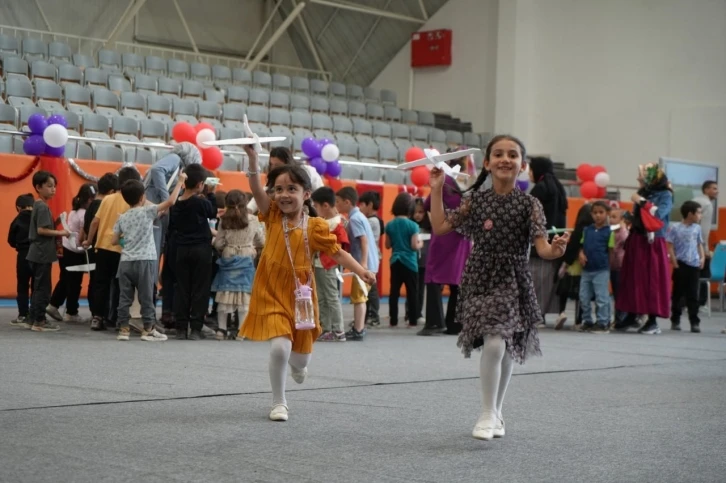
550,192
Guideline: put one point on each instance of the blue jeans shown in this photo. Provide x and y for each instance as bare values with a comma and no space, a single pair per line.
595,283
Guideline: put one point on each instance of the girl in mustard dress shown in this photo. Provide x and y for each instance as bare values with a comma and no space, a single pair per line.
292,238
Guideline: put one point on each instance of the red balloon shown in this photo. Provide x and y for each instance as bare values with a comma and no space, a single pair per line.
203,125
420,176
414,153
212,158
589,190
585,172
602,192
597,169
184,132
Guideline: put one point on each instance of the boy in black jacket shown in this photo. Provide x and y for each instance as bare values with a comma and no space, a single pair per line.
18,239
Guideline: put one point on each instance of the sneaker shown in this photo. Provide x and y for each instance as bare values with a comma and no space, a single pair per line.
21,322
196,335
587,327
278,413
499,428
373,323
72,319
577,327
97,324
207,332
624,326
353,334
560,321
484,428
340,336
695,328
181,334
675,326
600,329
123,333
153,335
332,337
650,328
45,327
221,335
54,313
541,325
299,375
420,320
429,332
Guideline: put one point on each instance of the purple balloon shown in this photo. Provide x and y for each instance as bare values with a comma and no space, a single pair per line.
55,152
311,148
58,119
37,123
34,145
324,142
333,169
318,164
522,184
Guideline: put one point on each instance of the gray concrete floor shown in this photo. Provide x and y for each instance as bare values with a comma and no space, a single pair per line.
78,406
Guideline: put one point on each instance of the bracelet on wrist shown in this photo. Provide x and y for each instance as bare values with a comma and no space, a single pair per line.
252,173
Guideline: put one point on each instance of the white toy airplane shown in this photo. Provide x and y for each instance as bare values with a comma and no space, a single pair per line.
439,161
251,138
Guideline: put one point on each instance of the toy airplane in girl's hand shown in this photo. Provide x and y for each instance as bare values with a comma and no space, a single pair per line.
251,138
439,161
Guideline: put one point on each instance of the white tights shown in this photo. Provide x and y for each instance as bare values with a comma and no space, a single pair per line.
280,356
495,371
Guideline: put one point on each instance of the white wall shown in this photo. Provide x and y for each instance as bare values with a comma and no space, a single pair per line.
467,88
231,25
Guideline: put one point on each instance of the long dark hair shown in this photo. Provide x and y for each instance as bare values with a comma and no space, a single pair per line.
235,213
299,175
425,224
85,195
543,173
488,152
584,219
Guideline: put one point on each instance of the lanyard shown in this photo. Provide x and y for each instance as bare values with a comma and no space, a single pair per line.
304,225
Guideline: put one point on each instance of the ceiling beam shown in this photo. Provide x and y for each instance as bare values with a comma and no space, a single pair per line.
311,44
364,42
42,15
130,13
263,30
276,36
356,7
423,9
186,26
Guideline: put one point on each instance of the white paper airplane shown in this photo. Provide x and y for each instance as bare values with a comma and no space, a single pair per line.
439,161
243,141
361,283
88,267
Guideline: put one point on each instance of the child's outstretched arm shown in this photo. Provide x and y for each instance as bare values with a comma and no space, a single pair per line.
258,191
347,261
554,250
439,224
166,204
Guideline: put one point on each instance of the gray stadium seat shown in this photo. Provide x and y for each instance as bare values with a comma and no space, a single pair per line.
77,98
155,65
104,98
192,88
15,65
437,135
70,73
355,92
301,119
356,109
261,79
124,125
18,91
409,116
230,133
73,120
132,62
388,97
322,121
338,89
238,94
152,130
362,126
281,82
177,69
213,95
280,117
118,84
348,148
370,174
43,70
200,72
381,130
278,130
109,59
24,112
158,104
279,99
419,133
145,84
8,115
472,140
233,112
301,85
258,114
34,49
349,171
241,76
184,107
83,61
300,102
143,156
230,163
454,138
133,100
394,176
374,111
371,94
221,75
95,76
82,151
59,51
169,87
400,131
9,44
108,152
209,110
338,106
320,104
259,97
391,113
48,94
402,144
426,118
342,124
319,87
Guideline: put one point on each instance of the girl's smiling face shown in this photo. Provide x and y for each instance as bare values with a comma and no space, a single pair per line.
289,195
505,161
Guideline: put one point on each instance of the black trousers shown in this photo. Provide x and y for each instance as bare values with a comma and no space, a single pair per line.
42,286
373,305
421,292
685,286
24,278
704,289
105,289
168,278
400,275
193,273
435,308
68,288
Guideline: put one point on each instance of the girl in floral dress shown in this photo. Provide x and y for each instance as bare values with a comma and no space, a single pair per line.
497,306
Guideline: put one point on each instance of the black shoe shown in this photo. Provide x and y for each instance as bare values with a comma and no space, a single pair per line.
695,328
650,328
353,334
181,334
196,335
97,324
675,325
429,332
625,325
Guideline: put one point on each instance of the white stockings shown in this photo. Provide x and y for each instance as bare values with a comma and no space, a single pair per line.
280,356
495,371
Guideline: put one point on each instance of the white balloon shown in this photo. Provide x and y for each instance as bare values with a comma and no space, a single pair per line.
55,136
330,153
204,136
602,180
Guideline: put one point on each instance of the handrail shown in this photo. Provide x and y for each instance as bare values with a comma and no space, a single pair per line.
90,45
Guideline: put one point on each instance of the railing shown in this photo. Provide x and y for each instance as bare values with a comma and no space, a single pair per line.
90,46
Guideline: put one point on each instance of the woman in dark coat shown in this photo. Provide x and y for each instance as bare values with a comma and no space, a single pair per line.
550,192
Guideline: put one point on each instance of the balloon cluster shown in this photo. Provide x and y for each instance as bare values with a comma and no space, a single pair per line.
594,181
203,132
323,156
48,137
420,174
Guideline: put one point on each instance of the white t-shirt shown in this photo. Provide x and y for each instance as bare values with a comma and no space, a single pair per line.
706,217
137,228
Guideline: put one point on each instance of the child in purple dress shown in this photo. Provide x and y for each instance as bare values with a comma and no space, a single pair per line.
497,306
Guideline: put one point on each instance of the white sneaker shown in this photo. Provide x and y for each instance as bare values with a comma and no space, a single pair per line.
484,428
278,413
21,322
54,313
560,321
299,376
499,428
123,334
72,319
153,336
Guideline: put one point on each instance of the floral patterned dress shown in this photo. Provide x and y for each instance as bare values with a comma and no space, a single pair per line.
497,294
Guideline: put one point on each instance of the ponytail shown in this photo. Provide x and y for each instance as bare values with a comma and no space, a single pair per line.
85,194
479,181
308,206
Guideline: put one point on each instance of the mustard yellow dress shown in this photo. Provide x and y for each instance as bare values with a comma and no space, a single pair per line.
272,306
